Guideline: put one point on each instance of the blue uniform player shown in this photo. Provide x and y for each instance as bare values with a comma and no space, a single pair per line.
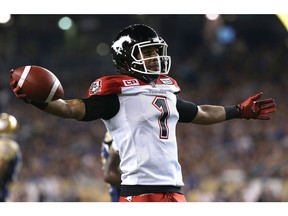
10,155
110,159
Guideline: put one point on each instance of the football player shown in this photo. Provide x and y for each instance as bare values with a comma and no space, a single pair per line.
10,155
140,108
110,161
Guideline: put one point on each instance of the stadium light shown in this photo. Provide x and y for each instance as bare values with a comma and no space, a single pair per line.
212,16
102,49
5,18
65,23
284,20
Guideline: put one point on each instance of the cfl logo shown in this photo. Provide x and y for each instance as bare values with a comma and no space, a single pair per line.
132,82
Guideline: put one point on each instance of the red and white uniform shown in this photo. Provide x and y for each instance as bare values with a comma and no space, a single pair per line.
142,120
144,129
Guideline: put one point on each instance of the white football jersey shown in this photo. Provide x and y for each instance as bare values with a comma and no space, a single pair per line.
144,129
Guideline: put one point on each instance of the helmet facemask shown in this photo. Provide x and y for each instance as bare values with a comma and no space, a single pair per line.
162,61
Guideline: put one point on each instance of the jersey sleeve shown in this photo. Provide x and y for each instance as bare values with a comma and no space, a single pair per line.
187,110
101,106
105,85
102,98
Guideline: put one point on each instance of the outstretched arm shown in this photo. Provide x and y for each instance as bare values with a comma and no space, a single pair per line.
74,108
209,114
252,108
85,109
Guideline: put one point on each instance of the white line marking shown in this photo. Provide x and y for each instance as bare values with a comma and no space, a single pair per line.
53,91
24,75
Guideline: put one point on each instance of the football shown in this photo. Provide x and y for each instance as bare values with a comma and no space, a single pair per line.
38,83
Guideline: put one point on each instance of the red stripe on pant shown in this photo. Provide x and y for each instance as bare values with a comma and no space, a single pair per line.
155,197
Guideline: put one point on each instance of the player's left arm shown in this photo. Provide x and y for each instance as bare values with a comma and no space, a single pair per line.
252,108
209,114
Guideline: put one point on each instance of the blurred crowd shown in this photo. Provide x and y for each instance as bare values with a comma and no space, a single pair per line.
238,160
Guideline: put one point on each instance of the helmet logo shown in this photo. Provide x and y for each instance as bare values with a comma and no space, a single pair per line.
118,45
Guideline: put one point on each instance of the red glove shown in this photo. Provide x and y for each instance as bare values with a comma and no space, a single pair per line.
253,109
17,90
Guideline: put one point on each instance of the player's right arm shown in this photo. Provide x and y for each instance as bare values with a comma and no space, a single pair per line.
74,108
86,109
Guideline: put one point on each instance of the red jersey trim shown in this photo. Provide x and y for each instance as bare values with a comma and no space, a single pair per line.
112,84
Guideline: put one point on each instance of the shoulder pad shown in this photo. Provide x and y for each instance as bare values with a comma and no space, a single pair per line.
167,80
109,85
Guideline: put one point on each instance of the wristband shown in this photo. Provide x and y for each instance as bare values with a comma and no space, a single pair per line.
232,112
40,105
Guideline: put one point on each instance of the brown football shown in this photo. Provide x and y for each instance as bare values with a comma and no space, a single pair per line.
38,83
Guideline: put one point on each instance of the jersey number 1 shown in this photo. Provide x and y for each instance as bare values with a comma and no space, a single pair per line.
161,104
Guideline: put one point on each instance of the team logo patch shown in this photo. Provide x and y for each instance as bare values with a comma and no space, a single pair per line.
132,82
166,81
96,87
